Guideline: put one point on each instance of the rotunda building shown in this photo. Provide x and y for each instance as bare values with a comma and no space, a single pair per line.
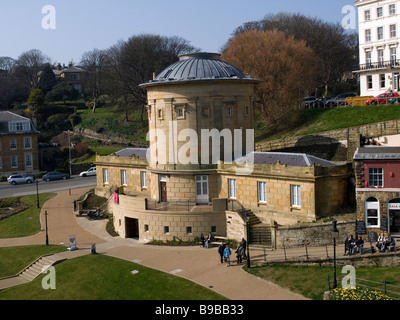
200,112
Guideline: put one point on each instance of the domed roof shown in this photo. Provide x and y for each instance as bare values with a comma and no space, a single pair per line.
198,66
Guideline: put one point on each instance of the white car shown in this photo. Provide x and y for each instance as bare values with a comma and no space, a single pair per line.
90,172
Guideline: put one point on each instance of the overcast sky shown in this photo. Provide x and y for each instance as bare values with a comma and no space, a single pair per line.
88,24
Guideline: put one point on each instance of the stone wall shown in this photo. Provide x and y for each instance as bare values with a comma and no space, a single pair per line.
317,234
350,137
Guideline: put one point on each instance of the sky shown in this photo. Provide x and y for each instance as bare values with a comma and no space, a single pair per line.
83,25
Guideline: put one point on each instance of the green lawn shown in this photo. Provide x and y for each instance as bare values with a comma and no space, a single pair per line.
100,277
14,259
27,222
312,281
305,122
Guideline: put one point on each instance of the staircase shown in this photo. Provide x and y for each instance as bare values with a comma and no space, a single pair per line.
259,233
35,269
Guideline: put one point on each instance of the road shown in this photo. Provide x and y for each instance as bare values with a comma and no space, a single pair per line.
8,191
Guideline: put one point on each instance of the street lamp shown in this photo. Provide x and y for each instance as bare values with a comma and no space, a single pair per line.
247,219
335,234
47,235
37,194
69,148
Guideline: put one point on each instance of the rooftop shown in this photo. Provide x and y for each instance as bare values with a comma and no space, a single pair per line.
374,152
198,66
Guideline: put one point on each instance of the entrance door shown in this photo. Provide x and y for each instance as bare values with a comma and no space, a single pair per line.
163,189
396,83
394,217
202,189
131,228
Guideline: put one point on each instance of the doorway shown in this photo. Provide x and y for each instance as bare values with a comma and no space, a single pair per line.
394,217
202,189
131,228
163,188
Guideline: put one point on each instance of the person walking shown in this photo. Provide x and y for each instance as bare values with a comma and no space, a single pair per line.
239,254
203,240
221,249
227,254
243,244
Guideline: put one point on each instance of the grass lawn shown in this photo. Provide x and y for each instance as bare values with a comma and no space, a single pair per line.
312,121
99,151
14,259
100,277
27,222
312,281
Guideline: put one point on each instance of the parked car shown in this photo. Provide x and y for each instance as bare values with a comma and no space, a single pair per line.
55,176
339,100
90,172
382,98
394,100
20,179
310,102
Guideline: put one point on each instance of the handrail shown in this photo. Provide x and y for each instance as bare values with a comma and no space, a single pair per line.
242,211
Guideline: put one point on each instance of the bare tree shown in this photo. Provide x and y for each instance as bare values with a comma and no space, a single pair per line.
134,61
95,63
28,66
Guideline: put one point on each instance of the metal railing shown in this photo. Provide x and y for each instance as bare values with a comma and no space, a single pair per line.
377,65
178,205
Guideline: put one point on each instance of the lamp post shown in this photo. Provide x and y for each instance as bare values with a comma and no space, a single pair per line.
69,148
335,233
37,194
247,219
47,235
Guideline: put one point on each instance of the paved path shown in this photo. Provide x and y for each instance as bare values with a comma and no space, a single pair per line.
194,263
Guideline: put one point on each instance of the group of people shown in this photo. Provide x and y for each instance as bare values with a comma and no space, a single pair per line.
205,243
225,252
383,244
352,245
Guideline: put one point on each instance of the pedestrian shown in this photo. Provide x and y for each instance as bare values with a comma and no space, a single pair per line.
243,244
227,254
209,239
239,254
203,240
221,249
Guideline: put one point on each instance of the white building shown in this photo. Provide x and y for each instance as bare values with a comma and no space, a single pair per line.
379,29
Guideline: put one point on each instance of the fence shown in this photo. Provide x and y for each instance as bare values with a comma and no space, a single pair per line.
178,205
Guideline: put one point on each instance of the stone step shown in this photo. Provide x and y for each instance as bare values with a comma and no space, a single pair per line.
36,268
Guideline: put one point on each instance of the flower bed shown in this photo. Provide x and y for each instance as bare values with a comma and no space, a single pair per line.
357,294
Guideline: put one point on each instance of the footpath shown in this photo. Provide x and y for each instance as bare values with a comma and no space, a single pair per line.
197,264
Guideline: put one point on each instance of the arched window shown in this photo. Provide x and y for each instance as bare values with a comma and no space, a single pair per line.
372,212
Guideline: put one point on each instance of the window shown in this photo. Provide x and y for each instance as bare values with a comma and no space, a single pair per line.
143,178
381,57
205,112
232,188
367,15
166,229
13,144
380,33
189,230
262,191
369,82
229,111
180,112
247,111
160,114
368,58
295,196
124,179
368,35
379,12
393,31
372,212
28,160
18,126
393,55
392,9
28,143
382,80
105,176
375,177
146,228
14,162
1,163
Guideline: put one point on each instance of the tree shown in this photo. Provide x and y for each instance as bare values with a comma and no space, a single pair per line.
28,66
47,79
336,49
64,90
284,65
134,61
95,64
36,99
